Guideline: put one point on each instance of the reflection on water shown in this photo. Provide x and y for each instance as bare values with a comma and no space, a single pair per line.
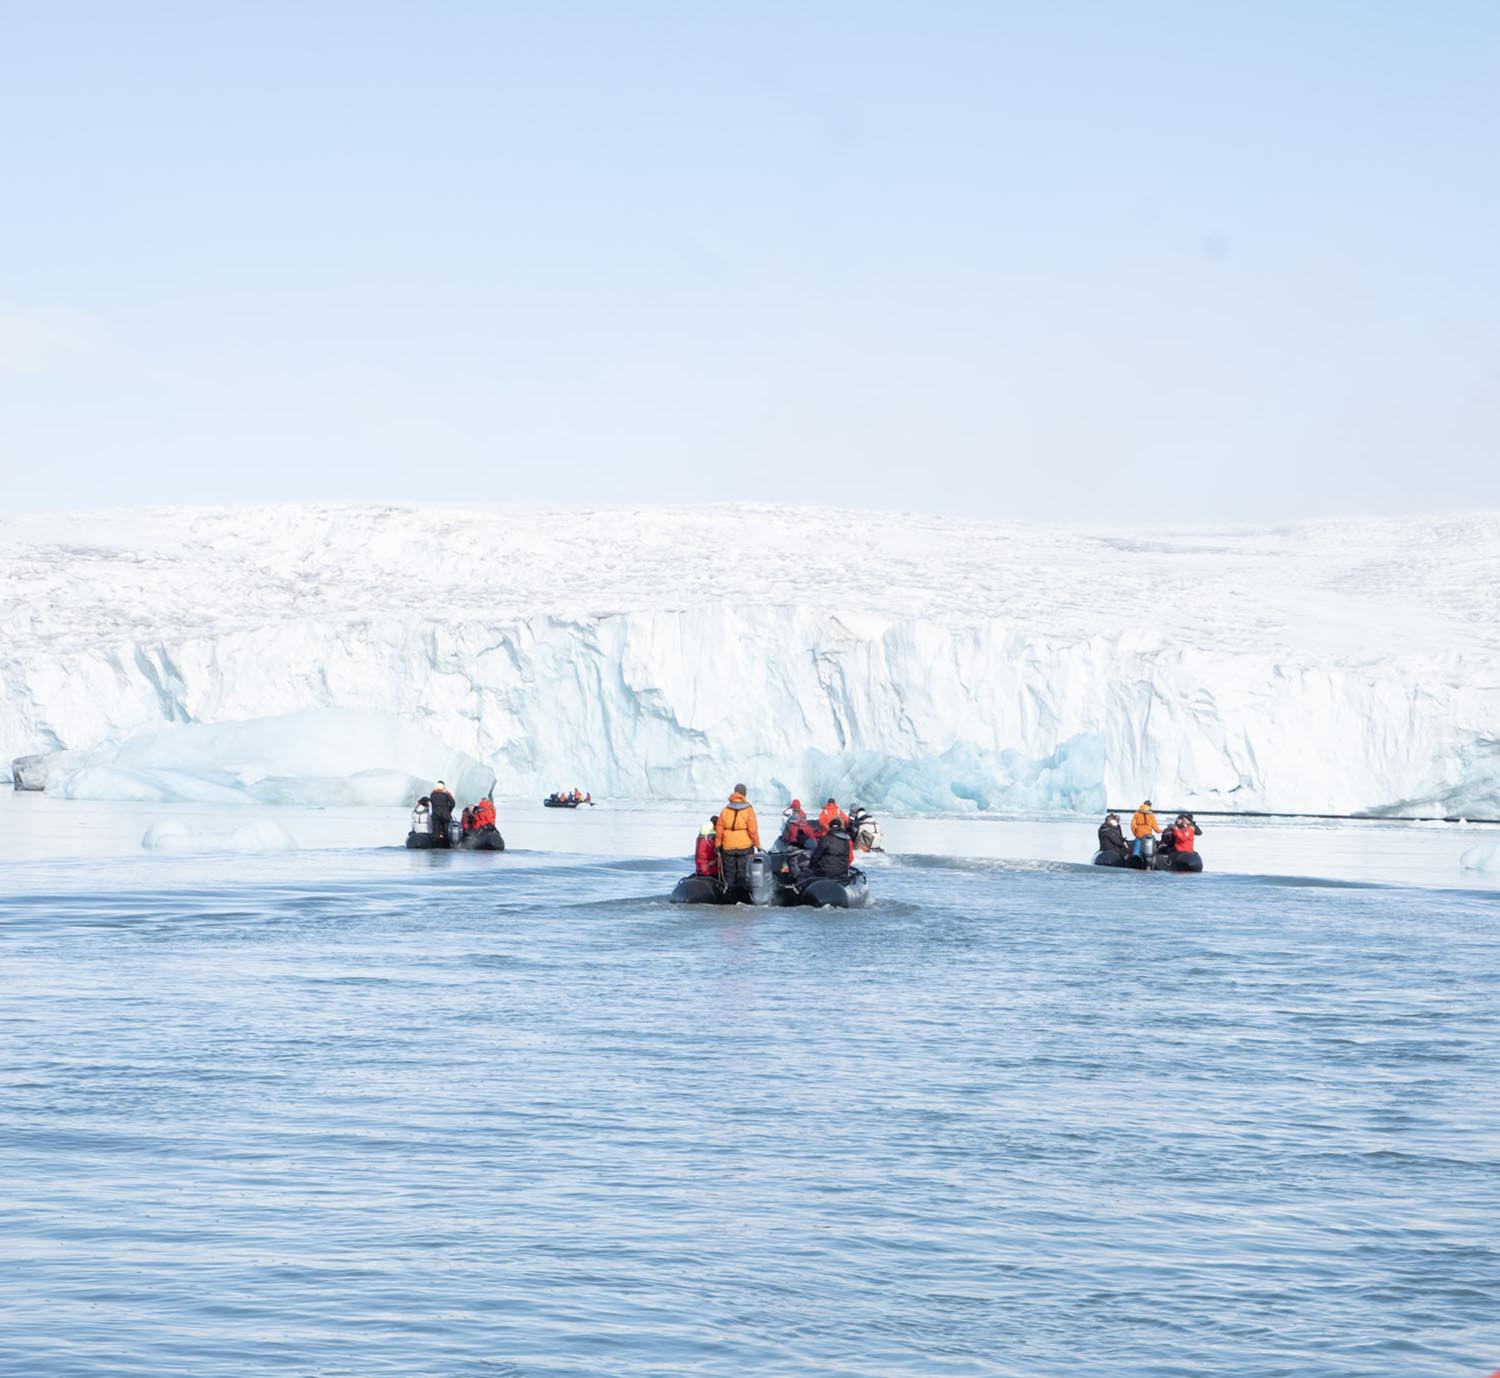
353,1110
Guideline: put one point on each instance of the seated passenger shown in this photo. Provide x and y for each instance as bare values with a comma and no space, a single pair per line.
830,811
421,816
706,854
833,854
1111,839
466,821
1181,833
483,815
864,829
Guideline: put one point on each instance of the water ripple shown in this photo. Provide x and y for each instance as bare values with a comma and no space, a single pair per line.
517,1116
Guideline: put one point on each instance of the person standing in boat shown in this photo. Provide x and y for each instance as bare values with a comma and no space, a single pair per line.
1111,839
796,830
442,812
829,812
1143,824
706,854
738,838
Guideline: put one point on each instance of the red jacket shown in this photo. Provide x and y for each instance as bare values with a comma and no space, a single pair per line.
706,857
484,812
1182,839
798,831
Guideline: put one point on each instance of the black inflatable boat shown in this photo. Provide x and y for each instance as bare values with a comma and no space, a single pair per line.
707,890
485,839
795,884
853,893
1185,863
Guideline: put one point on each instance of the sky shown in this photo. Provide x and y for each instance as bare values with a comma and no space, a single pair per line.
1148,261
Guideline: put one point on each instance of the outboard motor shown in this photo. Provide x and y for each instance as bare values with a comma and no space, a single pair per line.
1148,850
455,832
758,879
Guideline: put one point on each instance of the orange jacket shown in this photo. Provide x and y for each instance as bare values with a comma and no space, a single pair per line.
1143,823
737,830
828,813
484,812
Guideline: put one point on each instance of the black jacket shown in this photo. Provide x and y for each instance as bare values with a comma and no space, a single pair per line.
1111,839
831,856
442,805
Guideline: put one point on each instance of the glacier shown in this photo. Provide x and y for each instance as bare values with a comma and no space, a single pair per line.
325,756
904,661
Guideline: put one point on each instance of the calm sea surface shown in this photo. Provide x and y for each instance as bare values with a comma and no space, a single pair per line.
360,1112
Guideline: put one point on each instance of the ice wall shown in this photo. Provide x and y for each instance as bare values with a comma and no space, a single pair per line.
677,704
326,756
914,663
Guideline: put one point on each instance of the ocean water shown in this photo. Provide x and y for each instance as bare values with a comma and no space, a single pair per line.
350,1111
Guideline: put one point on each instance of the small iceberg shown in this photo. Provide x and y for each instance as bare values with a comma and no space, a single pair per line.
1484,857
323,757
176,836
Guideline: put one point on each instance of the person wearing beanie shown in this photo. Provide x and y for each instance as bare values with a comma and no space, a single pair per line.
738,838
442,811
834,853
797,831
1111,839
706,854
1143,824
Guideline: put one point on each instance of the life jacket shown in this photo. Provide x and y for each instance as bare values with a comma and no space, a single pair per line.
828,813
737,830
706,857
1143,823
484,814
1182,839
421,820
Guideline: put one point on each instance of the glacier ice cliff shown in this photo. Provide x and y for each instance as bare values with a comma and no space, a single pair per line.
909,662
319,756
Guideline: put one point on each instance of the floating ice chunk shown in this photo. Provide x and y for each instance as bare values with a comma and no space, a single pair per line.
177,836
964,778
328,756
1484,857
147,786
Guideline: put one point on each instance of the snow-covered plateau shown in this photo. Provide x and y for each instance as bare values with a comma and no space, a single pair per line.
911,662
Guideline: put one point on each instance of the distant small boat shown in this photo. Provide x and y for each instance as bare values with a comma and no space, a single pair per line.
566,801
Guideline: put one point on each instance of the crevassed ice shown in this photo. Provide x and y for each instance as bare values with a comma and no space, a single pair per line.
920,662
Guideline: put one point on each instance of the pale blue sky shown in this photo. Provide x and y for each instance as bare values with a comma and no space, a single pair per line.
1189,261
